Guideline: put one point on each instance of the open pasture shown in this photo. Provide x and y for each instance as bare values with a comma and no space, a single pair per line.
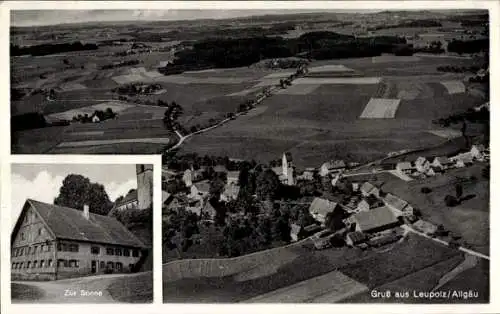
380,108
338,80
391,59
331,68
454,87
296,89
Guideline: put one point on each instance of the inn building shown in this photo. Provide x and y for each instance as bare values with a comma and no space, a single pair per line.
51,242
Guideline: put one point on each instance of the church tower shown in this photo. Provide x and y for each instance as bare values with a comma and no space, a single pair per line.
144,186
288,172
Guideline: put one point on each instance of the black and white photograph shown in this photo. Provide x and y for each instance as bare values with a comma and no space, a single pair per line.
309,154
81,233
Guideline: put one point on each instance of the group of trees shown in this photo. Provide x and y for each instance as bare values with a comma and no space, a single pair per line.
469,46
137,88
408,24
171,115
237,52
27,121
77,191
101,114
120,64
48,49
457,69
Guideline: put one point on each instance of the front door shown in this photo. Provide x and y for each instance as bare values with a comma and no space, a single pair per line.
94,267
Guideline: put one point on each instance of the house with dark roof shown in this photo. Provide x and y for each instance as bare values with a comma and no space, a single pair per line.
369,189
375,220
320,207
51,242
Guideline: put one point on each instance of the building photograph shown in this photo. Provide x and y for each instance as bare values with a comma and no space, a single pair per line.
81,233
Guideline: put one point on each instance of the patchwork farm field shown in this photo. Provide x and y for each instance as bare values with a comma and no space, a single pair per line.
321,272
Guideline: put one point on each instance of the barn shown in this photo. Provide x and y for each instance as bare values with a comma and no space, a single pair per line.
51,242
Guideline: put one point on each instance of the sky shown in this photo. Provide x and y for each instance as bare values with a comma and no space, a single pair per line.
43,181
49,17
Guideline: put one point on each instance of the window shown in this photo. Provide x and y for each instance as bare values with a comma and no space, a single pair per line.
109,251
49,247
34,249
95,250
119,266
102,265
135,253
73,247
62,263
22,236
42,248
42,262
110,265
40,231
49,263
130,267
59,246
21,265
118,252
28,250
28,265
74,263
13,265
35,264
126,252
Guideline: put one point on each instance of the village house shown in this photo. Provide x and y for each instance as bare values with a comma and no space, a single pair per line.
142,197
307,175
320,207
425,227
230,192
368,203
51,242
405,167
175,202
398,206
441,162
95,119
298,232
208,211
199,190
369,189
462,160
233,177
354,238
332,167
377,219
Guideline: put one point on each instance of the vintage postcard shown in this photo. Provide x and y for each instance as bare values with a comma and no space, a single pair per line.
311,153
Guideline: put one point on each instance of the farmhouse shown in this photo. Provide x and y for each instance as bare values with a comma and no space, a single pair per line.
369,189
329,167
398,206
368,203
354,238
230,192
375,220
199,190
404,167
320,207
233,177
51,242
298,232
441,162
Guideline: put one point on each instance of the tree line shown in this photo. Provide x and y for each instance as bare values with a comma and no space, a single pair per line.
48,49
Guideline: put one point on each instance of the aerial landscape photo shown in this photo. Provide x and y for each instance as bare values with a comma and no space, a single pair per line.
308,156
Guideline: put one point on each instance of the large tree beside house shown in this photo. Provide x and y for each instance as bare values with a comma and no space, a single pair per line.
267,185
77,191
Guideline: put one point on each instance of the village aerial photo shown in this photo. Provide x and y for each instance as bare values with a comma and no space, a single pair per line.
308,156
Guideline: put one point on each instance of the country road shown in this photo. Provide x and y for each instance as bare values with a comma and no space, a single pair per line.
70,290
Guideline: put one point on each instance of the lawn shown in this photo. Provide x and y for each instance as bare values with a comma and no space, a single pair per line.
470,219
21,292
133,289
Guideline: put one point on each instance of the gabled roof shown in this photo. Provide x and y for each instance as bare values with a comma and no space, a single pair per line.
368,188
405,165
202,186
356,237
321,206
334,164
70,224
394,201
295,229
130,197
233,174
375,218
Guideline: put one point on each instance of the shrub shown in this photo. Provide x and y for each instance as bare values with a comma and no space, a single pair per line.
451,201
426,190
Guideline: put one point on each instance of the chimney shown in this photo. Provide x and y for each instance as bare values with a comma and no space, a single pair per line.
86,212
